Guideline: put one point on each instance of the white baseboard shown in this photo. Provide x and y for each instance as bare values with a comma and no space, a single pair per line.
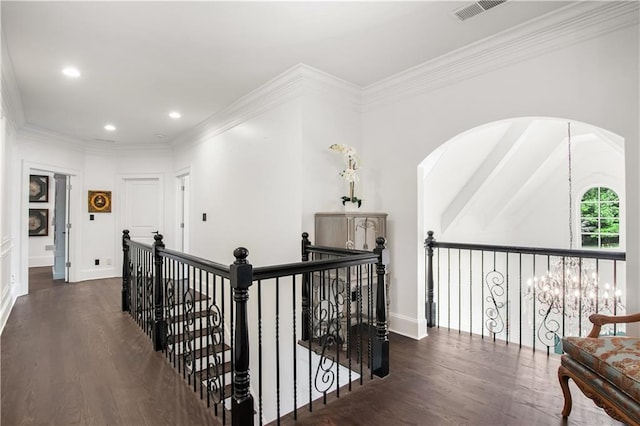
97,273
37,261
407,326
8,300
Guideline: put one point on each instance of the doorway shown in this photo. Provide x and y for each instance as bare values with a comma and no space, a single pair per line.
61,228
182,214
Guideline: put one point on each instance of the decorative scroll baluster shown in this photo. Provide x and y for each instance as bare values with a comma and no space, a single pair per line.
241,280
159,324
380,365
495,323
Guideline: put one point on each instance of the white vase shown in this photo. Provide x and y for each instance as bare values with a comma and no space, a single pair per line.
351,207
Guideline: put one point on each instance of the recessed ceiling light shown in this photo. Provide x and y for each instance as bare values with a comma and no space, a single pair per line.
71,72
175,115
110,127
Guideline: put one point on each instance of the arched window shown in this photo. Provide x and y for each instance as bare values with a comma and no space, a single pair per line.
600,218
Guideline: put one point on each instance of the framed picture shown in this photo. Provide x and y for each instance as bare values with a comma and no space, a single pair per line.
38,222
99,201
38,188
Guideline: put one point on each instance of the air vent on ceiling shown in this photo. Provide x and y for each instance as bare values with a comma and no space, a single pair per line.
476,8
104,140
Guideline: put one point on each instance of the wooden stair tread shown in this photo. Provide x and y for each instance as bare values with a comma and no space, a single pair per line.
200,332
202,352
224,369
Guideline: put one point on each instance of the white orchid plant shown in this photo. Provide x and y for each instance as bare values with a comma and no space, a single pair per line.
349,174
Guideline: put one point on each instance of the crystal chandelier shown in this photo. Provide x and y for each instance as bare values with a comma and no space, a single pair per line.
571,288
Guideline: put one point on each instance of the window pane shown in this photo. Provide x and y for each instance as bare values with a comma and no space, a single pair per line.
607,194
589,240
589,210
609,226
610,209
610,240
589,225
591,195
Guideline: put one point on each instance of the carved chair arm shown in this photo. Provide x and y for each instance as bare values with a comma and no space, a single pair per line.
599,320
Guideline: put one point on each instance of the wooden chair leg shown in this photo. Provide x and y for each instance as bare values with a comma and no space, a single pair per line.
564,384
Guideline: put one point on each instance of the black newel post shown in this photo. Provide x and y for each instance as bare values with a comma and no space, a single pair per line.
241,280
430,306
306,288
159,325
381,342
126,272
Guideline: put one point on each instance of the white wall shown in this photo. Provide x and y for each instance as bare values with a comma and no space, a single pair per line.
8,257
325,121
90,169
246,180
595,81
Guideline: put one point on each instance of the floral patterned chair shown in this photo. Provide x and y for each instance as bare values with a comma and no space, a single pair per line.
605,368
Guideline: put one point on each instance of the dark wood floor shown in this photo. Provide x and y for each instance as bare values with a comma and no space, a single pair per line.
457,379
41,278
70,357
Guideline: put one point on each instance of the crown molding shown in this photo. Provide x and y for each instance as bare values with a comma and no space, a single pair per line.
297,80
11,98
574,23
38,134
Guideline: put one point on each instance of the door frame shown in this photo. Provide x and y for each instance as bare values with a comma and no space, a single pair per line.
183,208
75,207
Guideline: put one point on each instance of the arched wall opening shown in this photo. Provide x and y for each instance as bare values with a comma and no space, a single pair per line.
507,183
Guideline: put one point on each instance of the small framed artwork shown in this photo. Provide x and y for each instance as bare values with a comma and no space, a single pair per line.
99,201
38,188
38,222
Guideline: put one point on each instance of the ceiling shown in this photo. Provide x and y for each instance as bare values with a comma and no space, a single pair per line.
141,60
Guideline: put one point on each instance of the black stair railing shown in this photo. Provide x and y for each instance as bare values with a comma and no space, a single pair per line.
325,317
526,295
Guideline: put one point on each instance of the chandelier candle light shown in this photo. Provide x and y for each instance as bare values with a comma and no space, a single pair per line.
349,174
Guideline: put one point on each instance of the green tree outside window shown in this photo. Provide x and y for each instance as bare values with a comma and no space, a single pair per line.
600,218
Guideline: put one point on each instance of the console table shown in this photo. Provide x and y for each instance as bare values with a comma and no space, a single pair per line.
355,231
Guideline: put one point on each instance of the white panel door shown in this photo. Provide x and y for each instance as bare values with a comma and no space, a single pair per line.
143,208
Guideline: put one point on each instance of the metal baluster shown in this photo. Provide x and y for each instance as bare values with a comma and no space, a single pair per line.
615,297
520,299
295,355
482,292
507,298
449,289
260,358
439,277
470,292
278,348
459,291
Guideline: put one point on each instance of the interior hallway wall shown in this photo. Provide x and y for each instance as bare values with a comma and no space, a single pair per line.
594,81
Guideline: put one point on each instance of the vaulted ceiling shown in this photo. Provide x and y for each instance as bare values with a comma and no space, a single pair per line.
141,60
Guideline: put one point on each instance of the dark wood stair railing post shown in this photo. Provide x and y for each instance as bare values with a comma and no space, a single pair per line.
159,324
126,272
430,306
381,343
306,288
241,279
